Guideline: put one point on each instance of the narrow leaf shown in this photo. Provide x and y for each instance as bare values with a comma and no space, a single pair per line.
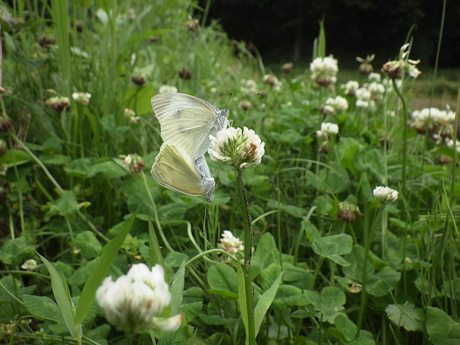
265,302
100,271
62,298
242,299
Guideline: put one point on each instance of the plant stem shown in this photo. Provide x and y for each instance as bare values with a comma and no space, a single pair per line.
248,237
404,128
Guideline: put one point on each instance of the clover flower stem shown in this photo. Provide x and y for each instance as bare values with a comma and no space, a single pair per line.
404,128
384,233
248,237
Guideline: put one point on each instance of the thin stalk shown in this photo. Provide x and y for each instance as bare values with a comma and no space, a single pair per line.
248,238
404,128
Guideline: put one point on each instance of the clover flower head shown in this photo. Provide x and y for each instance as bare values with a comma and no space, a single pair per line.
167,88
230,243
324,70
385,194
396,68
241,148
338,103
58,103
81,97
270,79
134,301
350,87
374,77
134,162
329,128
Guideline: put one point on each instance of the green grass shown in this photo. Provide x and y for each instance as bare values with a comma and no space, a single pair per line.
387,276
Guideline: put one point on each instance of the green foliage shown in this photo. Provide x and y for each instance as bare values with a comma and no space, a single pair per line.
330,264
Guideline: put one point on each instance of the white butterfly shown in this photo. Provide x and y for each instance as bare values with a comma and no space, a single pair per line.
176,170
187,121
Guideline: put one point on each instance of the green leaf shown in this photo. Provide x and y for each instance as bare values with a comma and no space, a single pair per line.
266,254
269,275
289,296
62,296
437,325
355,270
193,303
42,307
15,251
87,242
223,293
177,290
65,205
383,282
333,246
265,302
311,231
406,315
222,277
109,169
99,273
14,158
155,250
344,329
55,159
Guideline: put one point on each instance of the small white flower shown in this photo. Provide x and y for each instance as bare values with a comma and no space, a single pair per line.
450,143
385,194
167,88
324,70
81,97
350,87
329,128
363,94
233,146
29,265
230,243
134,301
374,77
339,103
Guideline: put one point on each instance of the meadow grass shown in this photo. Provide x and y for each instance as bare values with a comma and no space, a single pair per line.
331,263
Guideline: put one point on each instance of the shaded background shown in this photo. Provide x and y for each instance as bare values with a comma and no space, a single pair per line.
284,30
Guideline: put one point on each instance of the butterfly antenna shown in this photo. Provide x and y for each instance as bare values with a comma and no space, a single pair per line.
230,95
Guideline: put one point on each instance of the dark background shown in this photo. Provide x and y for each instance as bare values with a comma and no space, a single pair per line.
284,30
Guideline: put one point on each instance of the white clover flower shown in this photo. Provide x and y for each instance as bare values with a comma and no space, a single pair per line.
29,265
385,194
339,103
270,79
377,90
324,70
363,94
374,77
248,87
362,104
350,87
450,143
167,88
81,97
396,68
329,128
233,146
134,301
230,243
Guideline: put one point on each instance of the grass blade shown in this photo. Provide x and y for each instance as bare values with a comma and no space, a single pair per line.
100,271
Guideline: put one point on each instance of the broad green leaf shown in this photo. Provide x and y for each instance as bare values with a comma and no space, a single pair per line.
294,211
289,296
355,270
311,231
193,303
223,293
362,341
265,302
55,159
177,290
334,246
383,282
266,254
344,329
87,242
222,277
324,204
42,307
15,251
175,259
14,158
99,273
109,169
62,296
406,315
269,275
65,205
437,325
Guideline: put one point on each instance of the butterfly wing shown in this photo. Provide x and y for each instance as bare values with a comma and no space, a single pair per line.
175,170
187,121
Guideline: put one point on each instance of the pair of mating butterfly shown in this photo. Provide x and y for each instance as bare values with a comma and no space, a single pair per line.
186,123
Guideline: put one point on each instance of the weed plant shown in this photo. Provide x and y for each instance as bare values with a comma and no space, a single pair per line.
331,264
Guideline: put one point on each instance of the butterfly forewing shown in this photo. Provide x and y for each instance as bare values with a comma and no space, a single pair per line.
187,121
